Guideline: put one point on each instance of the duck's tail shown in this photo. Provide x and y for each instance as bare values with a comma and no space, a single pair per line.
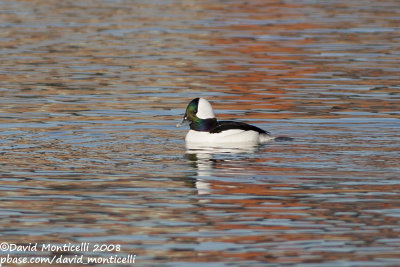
265,138
283,139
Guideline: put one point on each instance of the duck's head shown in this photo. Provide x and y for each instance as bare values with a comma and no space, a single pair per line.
200,115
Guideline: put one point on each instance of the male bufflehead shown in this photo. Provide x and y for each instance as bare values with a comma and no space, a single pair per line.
205,129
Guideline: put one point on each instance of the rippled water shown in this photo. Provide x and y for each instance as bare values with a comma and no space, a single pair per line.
91,92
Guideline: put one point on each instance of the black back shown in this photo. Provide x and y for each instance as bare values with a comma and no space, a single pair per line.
229,125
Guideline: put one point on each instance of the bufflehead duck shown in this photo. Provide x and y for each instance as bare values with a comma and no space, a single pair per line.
205,129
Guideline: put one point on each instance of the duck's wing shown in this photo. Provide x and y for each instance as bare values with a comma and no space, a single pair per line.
229,125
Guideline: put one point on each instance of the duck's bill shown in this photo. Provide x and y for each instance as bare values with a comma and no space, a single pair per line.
183,122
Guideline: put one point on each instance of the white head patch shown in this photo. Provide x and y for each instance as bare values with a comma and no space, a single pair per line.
204,109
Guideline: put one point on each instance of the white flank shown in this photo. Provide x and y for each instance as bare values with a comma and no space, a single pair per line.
225,137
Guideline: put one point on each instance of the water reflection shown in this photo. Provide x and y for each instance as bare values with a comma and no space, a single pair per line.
228,148
205,161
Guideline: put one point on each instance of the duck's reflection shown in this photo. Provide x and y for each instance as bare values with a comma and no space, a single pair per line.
207,159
